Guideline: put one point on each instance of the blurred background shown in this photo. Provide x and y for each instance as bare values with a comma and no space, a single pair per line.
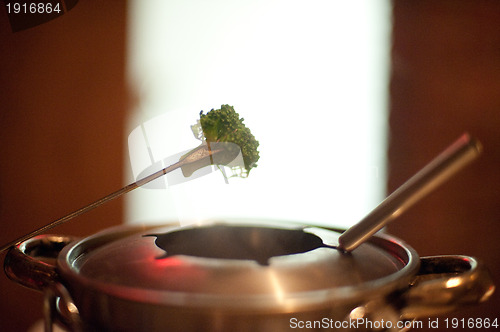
314,96
369,90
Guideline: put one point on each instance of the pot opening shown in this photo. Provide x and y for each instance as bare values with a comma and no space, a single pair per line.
237,242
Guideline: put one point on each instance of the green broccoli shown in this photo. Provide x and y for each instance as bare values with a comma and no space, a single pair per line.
225,135
225,125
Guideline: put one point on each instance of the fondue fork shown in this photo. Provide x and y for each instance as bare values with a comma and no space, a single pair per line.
444,166
200,156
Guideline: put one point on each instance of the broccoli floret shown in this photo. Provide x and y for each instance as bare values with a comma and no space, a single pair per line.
225,125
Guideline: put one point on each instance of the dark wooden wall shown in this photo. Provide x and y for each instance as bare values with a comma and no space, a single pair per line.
62,111
445,81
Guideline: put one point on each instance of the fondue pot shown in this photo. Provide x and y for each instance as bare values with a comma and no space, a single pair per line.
240,276
250,276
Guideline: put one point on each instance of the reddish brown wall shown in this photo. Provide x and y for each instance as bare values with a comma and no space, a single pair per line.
446,80
62,102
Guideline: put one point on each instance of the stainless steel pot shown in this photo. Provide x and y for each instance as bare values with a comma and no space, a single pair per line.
231,276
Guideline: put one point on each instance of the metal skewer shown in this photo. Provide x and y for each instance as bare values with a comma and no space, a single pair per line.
449,162
194,156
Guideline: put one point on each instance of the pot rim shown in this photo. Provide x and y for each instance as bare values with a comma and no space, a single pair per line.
276,302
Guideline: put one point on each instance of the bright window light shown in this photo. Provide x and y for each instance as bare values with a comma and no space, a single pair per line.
309,77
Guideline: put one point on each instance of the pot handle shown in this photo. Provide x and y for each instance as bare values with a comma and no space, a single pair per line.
32,263
446,283
58,306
